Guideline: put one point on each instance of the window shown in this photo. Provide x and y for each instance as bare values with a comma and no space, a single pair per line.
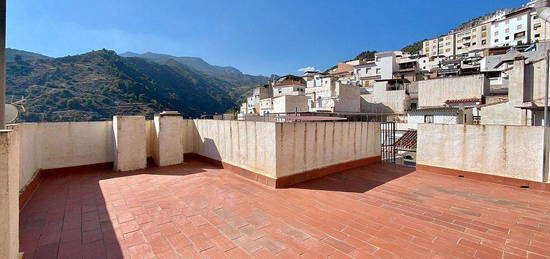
378,71
519,35
519,18
507,38
496,40
483,28
473,44
484,34
507,30
428,119
520,27
537,35
496,33
483,42
537,26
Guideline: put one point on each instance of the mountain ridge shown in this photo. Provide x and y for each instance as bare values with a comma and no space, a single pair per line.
99,84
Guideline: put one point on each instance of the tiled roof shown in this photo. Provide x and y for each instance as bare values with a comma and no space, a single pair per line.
466,100
407,141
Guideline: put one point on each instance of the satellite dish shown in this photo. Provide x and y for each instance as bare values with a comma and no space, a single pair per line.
11,113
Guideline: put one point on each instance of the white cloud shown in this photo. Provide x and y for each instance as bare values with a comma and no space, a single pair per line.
306,69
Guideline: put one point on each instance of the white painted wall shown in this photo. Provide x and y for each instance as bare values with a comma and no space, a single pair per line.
256,146
311,145
509,151
507,28
62,144
246,144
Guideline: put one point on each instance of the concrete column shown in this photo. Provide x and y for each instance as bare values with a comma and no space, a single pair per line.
168,140
9,194
130,143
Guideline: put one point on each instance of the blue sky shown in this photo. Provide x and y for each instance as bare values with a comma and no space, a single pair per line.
255,36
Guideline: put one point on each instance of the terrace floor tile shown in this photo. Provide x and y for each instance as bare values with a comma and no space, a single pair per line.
199,210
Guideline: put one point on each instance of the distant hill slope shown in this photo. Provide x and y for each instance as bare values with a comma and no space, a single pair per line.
229,74
100,84
12,54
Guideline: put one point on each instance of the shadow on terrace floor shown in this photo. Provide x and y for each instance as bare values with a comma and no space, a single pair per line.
359,180
92,213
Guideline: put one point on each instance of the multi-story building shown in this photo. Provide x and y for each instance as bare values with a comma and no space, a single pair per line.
430,48
513,29
475,38
443,46
540,29
334,94
289,85
382,67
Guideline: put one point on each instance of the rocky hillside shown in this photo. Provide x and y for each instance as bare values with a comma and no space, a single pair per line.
227,73
100,84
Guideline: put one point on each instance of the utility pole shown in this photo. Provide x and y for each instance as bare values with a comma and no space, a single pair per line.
2,64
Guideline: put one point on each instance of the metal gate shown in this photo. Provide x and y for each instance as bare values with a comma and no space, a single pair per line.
387,133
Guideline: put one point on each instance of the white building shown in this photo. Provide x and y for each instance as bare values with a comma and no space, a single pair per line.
512,30
333,94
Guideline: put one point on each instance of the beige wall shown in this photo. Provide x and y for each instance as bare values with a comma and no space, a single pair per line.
62,144
483,149
281,149
262,147
395,101
503,114
435,92
311,145
247,144
9,194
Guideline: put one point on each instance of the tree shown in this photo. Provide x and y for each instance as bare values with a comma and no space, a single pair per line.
414,48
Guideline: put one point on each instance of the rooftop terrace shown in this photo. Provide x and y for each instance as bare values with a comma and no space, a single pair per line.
197,209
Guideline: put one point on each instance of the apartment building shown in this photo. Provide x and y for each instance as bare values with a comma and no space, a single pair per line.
540,29
443,46
471,39
513,29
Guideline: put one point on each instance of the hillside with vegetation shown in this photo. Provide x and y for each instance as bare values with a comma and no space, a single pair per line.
225,73
100,84
414,48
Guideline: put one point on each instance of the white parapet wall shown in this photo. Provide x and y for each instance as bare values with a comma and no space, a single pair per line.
130,149
246,144
62,144
277,150
307,146
508,151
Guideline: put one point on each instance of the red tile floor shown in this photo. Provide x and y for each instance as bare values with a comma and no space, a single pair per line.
197,210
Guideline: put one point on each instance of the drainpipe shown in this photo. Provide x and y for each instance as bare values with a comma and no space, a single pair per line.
543,11
2,64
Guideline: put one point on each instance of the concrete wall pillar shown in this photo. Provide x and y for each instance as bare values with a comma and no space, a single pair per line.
168,140
130,143
9,194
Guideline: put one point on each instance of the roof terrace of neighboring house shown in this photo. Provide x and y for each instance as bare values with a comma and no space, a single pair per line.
240,189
